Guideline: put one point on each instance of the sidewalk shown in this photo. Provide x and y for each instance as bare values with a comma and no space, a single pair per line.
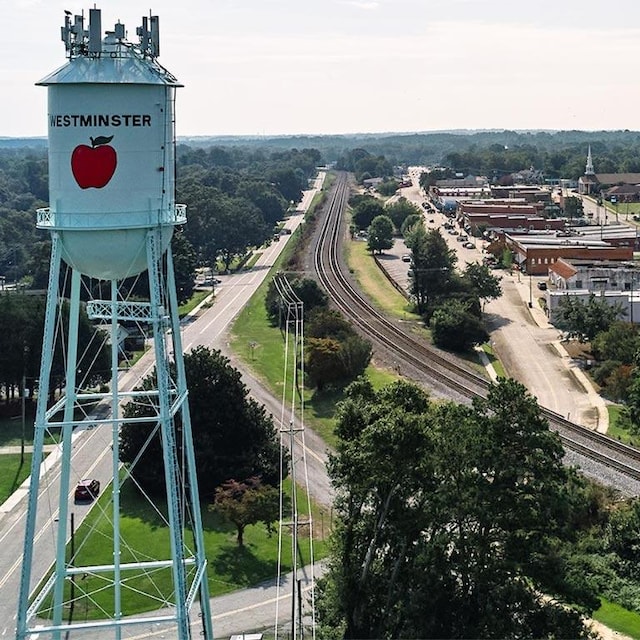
539,317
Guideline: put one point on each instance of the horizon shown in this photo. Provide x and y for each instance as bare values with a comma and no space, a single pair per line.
355,134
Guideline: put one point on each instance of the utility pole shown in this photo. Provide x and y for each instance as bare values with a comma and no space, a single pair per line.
23,399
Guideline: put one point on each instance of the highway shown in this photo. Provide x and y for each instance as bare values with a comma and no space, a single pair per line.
91,447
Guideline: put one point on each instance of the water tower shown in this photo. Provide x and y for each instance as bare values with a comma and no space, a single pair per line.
111,216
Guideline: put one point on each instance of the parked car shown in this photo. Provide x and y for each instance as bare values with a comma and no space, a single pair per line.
406,258
469,245
542,286
87,489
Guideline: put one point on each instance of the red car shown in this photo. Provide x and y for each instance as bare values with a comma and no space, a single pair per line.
87,489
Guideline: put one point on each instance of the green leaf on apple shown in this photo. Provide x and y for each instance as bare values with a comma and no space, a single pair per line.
95,142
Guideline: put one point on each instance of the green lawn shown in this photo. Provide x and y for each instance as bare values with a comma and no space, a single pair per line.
192,303
372,280
618,618
12,473
494,360
230,567
617,431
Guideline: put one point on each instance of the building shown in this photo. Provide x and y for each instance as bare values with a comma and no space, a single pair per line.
594,275
534,252
592,183
614,282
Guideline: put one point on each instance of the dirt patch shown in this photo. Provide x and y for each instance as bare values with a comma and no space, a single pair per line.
578,350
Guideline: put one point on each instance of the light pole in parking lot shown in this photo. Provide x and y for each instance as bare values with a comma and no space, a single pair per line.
530,292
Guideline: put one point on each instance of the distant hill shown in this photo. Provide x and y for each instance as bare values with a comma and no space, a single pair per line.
22,143
415,148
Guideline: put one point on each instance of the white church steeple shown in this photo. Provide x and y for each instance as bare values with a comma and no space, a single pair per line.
588,171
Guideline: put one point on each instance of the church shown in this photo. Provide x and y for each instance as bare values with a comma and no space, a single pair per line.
618,187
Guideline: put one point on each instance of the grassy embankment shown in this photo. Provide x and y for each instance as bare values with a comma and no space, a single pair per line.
261,346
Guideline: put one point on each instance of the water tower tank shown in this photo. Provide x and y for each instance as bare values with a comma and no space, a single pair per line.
111,149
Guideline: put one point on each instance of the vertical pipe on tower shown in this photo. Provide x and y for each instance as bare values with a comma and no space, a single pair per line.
115,458
167,430
65,462
38,435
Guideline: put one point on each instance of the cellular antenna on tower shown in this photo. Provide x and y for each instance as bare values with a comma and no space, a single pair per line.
111,215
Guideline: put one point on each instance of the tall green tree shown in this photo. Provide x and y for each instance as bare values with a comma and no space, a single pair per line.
432,265
365,210
454,327
21,334
307,290
233,435
446,514
400,210
481,281
380,234
335,352
573,207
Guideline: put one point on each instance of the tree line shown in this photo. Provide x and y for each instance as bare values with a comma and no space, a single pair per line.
234,198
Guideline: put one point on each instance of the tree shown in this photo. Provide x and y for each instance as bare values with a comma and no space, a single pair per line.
365,210
239,225
184,264
573,207
584,320
630,414
336,358
266,198
380,234
410,222
306,289
432,265
454,327
289,183
325,323
386,188
446,515
479,279
245,503
400,210
233,435
21,332
619,342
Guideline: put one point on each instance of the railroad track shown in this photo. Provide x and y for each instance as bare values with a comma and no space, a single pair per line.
332,273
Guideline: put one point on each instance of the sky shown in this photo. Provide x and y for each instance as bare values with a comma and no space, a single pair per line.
278,67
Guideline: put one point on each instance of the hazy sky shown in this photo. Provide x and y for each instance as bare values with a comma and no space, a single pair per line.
344,66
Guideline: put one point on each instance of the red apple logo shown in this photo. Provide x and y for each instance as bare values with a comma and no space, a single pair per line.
94,166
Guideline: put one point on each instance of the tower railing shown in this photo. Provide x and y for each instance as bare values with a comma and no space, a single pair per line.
47,218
